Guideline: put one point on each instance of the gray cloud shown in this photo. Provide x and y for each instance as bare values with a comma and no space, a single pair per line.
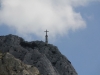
34,16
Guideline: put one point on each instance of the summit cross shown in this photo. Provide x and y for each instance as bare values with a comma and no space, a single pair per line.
46,37
46,32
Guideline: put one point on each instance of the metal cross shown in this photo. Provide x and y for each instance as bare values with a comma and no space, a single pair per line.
46,32
46,37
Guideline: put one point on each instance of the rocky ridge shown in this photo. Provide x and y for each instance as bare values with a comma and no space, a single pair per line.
47,58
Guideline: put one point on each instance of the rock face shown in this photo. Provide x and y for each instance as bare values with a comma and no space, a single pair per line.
47,58
9,65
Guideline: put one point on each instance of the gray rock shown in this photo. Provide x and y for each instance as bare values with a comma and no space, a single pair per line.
47,58
9,65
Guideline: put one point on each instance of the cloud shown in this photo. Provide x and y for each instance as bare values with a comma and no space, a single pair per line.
28,17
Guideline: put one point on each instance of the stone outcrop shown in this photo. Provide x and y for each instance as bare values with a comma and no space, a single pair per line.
9,65
47,58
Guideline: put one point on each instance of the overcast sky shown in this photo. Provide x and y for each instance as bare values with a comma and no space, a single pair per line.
73,25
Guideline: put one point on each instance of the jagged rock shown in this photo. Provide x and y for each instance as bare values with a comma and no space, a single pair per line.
9,65
47,58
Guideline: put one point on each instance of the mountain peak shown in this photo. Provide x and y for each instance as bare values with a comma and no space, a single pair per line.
47,58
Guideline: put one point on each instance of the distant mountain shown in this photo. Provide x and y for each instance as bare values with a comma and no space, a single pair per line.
47,58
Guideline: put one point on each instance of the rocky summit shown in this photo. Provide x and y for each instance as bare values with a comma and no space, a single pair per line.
45,57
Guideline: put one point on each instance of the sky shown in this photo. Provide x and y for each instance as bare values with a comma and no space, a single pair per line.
73,27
